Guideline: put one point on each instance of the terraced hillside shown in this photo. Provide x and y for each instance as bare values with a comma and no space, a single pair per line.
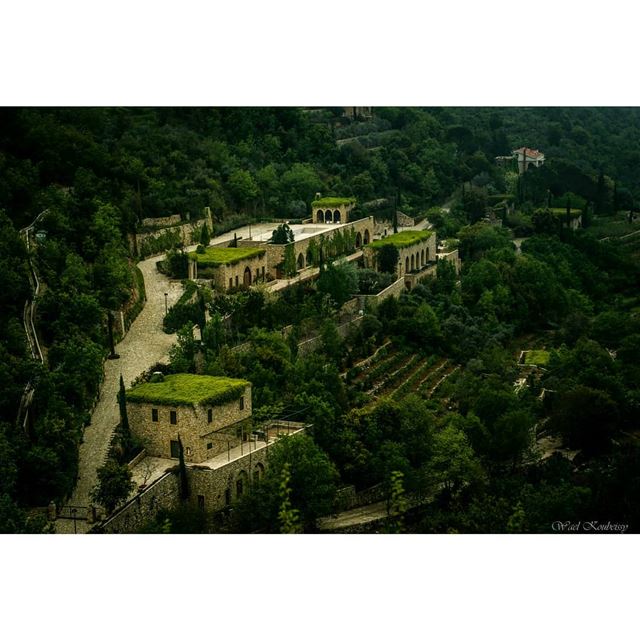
395,374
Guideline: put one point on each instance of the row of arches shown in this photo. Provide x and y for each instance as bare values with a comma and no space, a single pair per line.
360,239
328,216
416,261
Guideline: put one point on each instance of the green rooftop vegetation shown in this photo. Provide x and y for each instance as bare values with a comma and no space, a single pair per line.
332,202
537,357
189,390
402,239
216,256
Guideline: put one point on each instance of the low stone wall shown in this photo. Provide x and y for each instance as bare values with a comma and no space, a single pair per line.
312,344
163,494
166,221
392,291
185,233
404,220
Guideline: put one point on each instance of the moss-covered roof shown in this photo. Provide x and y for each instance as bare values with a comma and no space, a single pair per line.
188,389
538,357
216,256
402,239
332,202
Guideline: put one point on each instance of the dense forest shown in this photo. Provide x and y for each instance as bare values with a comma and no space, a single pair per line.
468,449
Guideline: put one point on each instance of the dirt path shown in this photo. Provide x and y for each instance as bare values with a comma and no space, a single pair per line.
143,346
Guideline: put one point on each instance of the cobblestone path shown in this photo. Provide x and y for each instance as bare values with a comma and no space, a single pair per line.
143,346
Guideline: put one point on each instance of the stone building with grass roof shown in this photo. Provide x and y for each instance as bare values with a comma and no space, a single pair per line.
332,210
416,251
229,267
208,413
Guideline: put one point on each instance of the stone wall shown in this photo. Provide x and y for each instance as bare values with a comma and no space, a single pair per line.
404,220
334,214
313,344
392,291
185,231
451,256
201,439
163,494
166,221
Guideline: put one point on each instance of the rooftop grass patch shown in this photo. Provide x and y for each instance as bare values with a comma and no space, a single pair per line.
332,202
188,389
537,357
217,256
402,239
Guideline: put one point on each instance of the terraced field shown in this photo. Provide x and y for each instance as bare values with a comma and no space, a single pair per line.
396,374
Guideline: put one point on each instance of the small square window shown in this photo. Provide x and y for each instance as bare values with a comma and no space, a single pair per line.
241,404
209,445
154,415
173,417
210,415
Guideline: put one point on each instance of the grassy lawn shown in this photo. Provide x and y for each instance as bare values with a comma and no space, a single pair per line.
332,202
188,389
215,256
402,239
538,357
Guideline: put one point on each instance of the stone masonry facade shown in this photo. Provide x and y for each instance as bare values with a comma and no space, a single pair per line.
411,259
205,430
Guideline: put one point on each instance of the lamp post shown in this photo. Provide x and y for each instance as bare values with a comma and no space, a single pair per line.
166,303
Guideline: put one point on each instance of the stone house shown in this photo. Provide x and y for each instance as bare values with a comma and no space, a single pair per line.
230,267
332,210
416,250
208,413
526,158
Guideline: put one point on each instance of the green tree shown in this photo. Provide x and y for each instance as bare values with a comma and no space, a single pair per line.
397,505
339,281
114,485
288,516
388,256
243,187
282,234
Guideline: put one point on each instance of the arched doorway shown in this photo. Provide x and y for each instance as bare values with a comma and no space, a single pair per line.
258,472
327,216
241,483
358,240
427,254
366,236
417,260
300,261
247,277
319,215
336,216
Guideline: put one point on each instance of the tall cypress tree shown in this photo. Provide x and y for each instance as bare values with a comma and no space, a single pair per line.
184,483
125,431
615,197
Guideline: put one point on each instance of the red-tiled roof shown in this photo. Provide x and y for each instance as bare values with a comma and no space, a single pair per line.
529,153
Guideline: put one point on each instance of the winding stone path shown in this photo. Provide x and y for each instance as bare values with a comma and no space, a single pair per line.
143,346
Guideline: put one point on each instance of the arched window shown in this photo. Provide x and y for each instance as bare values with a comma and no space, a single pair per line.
406,265
241,483
358,240
422,258
336,216
300,261
413,263
366,236
327,216
258,472
247,277
319,215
